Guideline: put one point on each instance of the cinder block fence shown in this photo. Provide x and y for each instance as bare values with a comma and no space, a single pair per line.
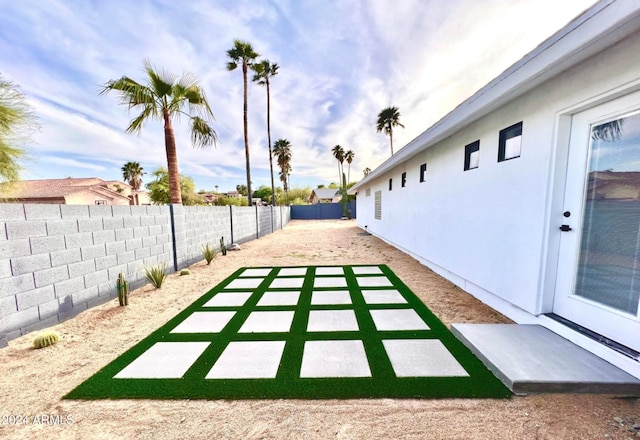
58,260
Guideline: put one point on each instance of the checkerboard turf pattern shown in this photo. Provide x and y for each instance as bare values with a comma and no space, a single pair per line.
299,332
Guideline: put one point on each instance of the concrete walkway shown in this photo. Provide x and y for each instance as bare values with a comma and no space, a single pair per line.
533,359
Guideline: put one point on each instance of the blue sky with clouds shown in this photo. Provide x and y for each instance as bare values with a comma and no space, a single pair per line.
341,62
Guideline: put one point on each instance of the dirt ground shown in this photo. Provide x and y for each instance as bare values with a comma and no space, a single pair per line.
32,382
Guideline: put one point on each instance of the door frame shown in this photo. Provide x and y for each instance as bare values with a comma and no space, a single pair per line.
558,170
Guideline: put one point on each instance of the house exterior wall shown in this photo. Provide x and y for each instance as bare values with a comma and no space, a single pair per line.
89,198
494,229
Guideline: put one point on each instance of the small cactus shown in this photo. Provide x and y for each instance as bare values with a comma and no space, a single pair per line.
223,247
185,272
123,290
46,338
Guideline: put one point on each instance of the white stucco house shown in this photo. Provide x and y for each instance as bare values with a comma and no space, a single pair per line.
527,195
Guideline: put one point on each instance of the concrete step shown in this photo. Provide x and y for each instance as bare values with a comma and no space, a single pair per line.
533,359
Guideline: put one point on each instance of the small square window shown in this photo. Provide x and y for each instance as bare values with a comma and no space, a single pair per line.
403,182
390,184
510,145
423,171
472,155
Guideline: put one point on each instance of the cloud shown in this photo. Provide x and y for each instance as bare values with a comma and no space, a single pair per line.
341,62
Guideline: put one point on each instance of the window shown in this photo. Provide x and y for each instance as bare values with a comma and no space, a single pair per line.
367,192
403,181
510,144
423,171
378,205
101,202
472,155
390,184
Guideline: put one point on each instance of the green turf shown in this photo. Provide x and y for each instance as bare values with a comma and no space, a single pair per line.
480,383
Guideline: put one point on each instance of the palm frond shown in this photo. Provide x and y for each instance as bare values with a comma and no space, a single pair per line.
161,84
202,134
135,126
231,65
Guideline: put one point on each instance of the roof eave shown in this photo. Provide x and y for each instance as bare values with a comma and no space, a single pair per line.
601,26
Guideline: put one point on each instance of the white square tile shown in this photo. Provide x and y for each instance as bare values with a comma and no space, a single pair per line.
334,359
323,297
366,270
329,271
228,299
279,299
293,271
267,322
398,319
204,322
244,283
330,282
332,321
256,272
387,296
286,283
248,360
164,360
422,357
374,282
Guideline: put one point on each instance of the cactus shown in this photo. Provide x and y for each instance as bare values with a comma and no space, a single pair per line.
223,247
123,290
46,338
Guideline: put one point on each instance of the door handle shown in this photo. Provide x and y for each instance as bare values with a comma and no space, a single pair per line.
565,228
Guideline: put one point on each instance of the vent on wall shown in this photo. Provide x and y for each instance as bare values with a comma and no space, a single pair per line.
367,192
378,205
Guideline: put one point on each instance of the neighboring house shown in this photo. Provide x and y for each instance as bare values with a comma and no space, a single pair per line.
498,195
71,191
235,194
325,195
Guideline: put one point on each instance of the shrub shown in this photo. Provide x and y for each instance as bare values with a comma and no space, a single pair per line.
208,252
185,272
156,274
46,338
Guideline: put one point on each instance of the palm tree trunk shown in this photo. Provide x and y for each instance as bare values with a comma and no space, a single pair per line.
172,160
273,186
246,134
391,139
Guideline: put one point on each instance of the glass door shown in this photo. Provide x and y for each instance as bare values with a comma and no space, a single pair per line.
598,283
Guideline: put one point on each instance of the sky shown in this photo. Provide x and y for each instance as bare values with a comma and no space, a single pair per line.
341,62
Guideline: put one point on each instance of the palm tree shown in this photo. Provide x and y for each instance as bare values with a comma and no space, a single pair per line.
242,53
366,171
387,119
263,71
132,172
163,97
348,156
338,153
282,150
15,116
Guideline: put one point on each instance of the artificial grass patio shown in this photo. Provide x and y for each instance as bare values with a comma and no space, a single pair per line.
317,332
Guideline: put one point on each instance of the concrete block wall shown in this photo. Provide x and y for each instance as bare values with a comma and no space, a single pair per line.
202,225
266,224
58,260
244,223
